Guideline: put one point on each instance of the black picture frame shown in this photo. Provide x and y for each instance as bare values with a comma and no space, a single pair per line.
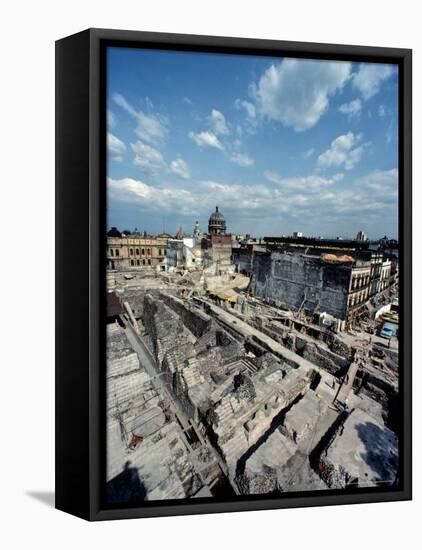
80,268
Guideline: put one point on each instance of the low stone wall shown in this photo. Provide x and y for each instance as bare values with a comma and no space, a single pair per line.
193,318
318,354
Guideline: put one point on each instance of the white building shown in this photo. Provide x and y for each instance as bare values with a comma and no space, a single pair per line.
189,256
181,254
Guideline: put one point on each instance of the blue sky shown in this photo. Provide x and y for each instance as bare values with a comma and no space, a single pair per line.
280,145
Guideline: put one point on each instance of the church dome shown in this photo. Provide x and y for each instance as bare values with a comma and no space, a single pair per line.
216,223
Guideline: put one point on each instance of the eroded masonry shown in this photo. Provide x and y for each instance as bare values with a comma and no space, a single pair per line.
239,366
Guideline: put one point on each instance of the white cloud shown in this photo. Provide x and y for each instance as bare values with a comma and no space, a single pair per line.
381,111
251,119
121,102
218,123
217,126
242,159
111,119
344,151
307,154
148,159
116,147
372,195
187,100
206,139
151,128
369,77
244,197
353,108
339,208
311,183
153,198
297,92
180,168
247,105
382,182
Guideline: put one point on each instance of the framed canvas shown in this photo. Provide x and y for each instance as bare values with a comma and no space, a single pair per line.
233,276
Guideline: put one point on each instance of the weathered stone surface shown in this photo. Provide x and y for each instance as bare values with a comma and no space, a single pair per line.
363,453
254,394
300,281
262,468
302,417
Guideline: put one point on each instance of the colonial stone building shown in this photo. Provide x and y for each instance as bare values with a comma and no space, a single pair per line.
133,251
316,276
302,283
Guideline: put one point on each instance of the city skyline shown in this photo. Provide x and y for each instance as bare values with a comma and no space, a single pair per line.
281,145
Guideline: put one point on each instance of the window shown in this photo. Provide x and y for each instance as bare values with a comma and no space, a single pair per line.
143,252
143,262
131,251
148,252
111,252
138,262
149,262
132,262
137,251
117,252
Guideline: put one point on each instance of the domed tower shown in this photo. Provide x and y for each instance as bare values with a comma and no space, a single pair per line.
180,235
217,223
197,233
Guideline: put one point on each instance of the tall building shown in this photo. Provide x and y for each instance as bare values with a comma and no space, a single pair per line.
217,223
197,233
361,236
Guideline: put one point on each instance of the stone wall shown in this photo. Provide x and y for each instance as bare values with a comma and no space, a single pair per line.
221,249
242,258
164,328
193,318
295,281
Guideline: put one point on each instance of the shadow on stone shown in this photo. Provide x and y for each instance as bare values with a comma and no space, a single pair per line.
381,451
126,487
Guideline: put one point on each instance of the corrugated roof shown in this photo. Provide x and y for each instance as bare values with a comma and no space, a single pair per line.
229,294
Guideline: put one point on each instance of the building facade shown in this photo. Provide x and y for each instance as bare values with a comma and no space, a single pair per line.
181,254
133,251
302,283
317,276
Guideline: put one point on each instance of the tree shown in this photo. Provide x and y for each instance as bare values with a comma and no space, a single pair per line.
114,232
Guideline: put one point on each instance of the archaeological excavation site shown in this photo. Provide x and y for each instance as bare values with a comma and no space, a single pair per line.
240,366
